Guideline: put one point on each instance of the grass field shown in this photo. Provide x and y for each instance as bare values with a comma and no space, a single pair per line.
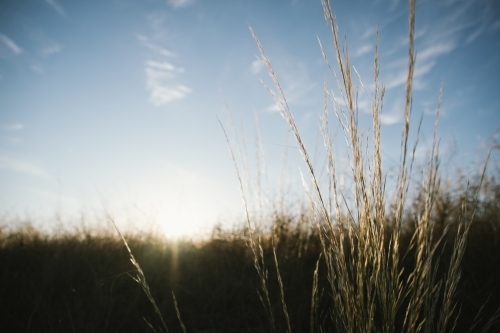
424,259
82,283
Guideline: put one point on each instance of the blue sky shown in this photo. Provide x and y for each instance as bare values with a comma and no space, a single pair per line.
114,103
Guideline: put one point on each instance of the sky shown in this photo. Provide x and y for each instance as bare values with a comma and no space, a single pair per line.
113,105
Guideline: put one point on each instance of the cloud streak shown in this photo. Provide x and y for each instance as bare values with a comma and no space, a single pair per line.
256,66
180,3
56,7
296,82
13,127
426,60
159,83
50,49
162,76
154,47
38,68
394,115
10,44
363,49
19,166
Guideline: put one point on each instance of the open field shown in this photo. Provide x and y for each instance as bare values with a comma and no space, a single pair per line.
82,282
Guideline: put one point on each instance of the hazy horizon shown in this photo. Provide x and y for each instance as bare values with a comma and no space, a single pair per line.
113,104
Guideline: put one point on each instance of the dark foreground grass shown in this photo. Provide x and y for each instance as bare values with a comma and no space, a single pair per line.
83,282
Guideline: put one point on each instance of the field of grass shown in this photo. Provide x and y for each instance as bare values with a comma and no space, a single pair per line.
424,259
82,282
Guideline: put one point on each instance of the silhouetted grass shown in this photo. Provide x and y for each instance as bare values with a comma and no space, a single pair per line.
81,283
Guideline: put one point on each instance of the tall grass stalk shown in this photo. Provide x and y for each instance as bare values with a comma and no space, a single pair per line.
140,278
254,242
361,241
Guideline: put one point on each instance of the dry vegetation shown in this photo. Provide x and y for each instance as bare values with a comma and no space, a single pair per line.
82,283
426,260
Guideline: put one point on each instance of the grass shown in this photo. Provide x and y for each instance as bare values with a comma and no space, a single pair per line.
423,260
77,283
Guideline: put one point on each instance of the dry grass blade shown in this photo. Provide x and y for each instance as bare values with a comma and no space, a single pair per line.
493,319
178,313
455,269
313,321
287,115
140,278
149,325
282,292
256,247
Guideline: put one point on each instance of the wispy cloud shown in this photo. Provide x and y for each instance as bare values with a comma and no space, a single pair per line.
49,49
370,31
13,47
180,3
474,35
162,76
164,66
296,82
426,60
394,4
38,68
460,23
397,79
155,47
390,118
256,66
395,114
160,83
46,47
56,6
363,49
20,166
13,127
485,22
435,50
